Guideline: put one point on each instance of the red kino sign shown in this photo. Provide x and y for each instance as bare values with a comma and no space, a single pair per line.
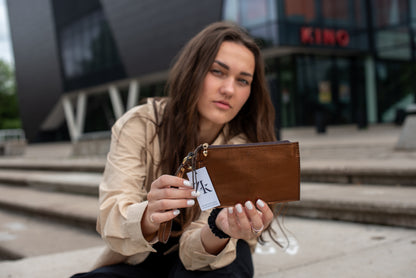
318,36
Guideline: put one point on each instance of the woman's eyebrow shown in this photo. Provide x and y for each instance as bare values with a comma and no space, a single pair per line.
228,68
222,64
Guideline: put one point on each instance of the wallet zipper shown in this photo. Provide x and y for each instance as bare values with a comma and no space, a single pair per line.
246,144
205,147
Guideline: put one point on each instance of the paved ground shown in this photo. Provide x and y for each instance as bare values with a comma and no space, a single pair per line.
319,248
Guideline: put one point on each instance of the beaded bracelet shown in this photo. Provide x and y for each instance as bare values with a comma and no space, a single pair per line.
211,222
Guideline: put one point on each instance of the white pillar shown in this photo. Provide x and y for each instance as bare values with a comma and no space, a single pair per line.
81,106
75,123
116,101
70,119
133,94
370,89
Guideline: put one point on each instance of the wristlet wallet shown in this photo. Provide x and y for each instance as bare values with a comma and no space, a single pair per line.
268,171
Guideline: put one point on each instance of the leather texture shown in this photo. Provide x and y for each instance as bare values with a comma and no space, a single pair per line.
267,171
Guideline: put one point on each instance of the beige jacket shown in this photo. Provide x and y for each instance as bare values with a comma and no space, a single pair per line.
130,169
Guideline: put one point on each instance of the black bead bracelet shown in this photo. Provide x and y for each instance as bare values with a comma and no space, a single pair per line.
211,222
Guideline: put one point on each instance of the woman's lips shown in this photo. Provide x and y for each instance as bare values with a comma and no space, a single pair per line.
222,104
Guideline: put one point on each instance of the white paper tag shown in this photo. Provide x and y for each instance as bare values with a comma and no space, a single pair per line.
208,198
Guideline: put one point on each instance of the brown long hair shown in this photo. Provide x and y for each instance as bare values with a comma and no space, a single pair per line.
178,130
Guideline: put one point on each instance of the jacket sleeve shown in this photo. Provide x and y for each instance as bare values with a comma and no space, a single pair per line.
193,255
192,252
122,190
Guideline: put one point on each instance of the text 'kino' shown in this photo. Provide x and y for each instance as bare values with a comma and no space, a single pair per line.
310,35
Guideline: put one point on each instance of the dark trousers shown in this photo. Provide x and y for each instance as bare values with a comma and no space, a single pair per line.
159,265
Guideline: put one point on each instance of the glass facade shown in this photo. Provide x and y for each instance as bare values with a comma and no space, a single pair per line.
87,49
326,12
396,88
319,72
394,40
329,24
311,88
392,29
315,23
257,16
412,10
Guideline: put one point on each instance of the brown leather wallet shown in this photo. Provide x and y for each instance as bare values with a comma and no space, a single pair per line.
268,171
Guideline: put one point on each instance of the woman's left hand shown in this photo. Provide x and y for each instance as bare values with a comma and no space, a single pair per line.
245,222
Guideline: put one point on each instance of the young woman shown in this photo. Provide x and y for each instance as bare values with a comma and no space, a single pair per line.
217,95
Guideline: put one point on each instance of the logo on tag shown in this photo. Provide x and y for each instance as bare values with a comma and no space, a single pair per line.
202,183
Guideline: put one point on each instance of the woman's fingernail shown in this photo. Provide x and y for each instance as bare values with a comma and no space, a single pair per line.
260,203
190,202
187,183
230,210
176,212
249,205
239,208
195,193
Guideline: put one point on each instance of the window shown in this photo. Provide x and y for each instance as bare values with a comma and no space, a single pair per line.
413,14
253,12
393,43
87,50
250,13
325,12
300,10
77,45
390,12
413,24
87,46
392,34
231,10
395,88
258,17
335,9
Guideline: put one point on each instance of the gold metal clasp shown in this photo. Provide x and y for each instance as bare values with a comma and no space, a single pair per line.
205,147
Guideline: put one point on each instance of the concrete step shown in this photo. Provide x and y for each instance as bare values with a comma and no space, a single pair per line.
95,165
63,264
380,172
72,182
77,210
385,205
23,236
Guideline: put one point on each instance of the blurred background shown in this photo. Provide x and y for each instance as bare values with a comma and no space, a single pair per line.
80,64
341,75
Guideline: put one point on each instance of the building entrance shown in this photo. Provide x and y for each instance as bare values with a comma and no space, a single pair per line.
320,90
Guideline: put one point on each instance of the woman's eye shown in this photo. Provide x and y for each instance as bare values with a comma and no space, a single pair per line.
243,82
216,72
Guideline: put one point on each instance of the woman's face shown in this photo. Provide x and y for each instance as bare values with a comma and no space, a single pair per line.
226,86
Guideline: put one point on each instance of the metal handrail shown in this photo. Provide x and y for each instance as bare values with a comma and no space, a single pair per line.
12,135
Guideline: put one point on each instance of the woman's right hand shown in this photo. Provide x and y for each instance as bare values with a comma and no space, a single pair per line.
166,196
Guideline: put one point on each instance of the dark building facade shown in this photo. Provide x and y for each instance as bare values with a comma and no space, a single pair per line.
81,64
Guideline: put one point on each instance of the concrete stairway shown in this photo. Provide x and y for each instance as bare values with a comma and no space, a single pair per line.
58,200
47,209
48,199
